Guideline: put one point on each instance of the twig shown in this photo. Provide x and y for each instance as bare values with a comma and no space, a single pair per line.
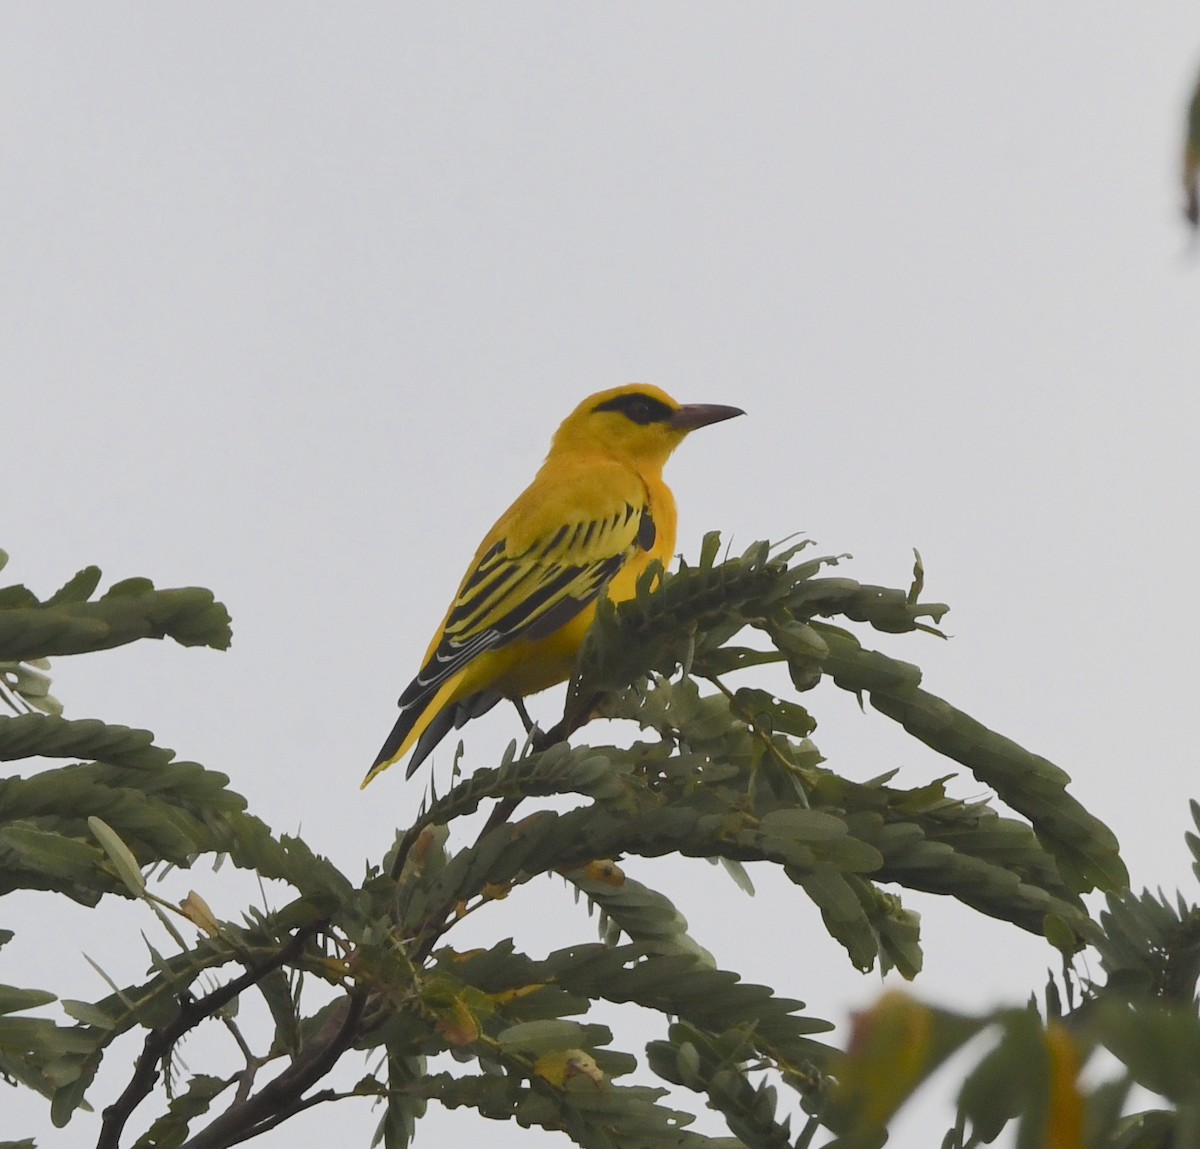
573,718
437,922
291,1110
283,1095
159,1041
253,1063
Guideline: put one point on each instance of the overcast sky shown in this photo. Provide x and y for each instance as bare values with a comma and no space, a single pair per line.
293,295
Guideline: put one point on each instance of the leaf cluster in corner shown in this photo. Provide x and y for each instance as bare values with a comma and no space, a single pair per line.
71,622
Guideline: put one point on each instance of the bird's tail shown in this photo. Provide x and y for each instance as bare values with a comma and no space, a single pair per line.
426,720
416,713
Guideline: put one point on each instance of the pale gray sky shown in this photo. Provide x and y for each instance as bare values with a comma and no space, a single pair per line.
293,296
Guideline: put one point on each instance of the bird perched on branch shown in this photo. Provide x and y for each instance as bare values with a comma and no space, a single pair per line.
594,517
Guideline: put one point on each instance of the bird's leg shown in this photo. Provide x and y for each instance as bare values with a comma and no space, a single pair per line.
560,733
506,806
519,703
576,716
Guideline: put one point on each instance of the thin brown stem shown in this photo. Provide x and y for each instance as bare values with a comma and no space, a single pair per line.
284,1095
159,1042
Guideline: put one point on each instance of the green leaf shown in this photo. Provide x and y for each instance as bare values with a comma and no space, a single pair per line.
129,611
13,1000
841,912
714,1065
551,1034
683,986
120,855
737,872
55,855
130,588
402,1110
895,1046
1060,935
1086,849
644,915
1160,1048
1010,1078
78,589
12,597
89,1014
617,1115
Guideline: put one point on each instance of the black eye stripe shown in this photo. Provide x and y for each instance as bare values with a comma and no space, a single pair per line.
638,408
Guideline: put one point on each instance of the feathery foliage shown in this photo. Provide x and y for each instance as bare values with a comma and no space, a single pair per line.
722,770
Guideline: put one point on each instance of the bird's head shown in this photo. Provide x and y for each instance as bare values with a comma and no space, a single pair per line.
638,424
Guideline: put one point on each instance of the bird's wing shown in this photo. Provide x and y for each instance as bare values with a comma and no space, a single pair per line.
550,556
529,587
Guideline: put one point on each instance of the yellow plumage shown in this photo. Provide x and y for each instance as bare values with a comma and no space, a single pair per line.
595,516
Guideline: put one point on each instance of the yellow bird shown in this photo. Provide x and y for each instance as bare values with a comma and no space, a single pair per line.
594,517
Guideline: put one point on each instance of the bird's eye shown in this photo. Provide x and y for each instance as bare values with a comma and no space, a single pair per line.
640,409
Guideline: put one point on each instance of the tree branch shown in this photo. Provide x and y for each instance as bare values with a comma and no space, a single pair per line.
283,1095
574,716
159,1041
